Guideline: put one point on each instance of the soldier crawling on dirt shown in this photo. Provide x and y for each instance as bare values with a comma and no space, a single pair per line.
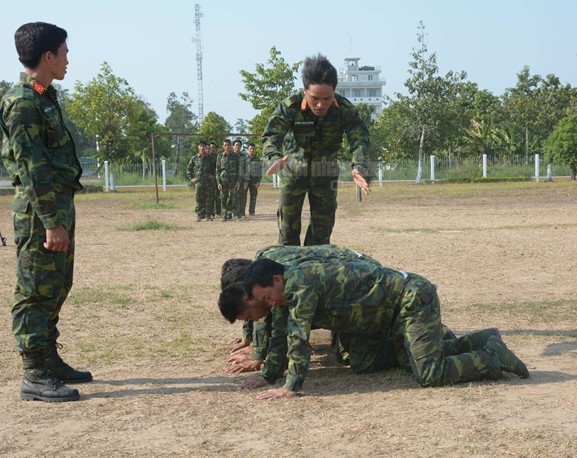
361,298
362,354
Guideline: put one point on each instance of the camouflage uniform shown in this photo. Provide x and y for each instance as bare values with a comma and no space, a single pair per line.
363,353
227,177
363,298
241,191
40,156
312,168
212,189
201,168
253,176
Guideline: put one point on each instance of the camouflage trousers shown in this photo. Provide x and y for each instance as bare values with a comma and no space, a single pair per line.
217,199
322,194
241,201
253,194
228,200
420,347
204,196
44,278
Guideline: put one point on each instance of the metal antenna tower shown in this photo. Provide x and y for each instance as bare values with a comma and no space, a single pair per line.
197,16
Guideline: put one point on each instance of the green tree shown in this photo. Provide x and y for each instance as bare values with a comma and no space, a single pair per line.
180,120
267,87
108,110
214,128
434,103
561,146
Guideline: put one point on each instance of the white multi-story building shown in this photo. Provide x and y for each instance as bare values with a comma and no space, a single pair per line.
361,84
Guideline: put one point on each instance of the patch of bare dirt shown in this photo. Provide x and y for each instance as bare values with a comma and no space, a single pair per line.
142,317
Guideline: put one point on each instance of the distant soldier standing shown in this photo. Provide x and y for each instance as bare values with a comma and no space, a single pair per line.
213,154
200,173
240,189
40,156
317,120
253,177
227,179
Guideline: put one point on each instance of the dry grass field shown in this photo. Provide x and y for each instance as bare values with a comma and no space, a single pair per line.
142,317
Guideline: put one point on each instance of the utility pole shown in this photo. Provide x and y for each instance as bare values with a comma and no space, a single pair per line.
197,16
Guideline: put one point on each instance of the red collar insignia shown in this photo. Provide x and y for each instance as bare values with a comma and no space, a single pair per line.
38,88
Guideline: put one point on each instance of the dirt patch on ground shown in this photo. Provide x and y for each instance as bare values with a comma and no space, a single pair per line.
142,317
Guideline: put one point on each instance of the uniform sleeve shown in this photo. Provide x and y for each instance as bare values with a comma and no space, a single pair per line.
305,300
278,126
275,363
190,169
247,330
260,338
24,121
358,138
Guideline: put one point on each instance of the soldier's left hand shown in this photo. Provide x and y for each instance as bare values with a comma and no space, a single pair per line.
361,182
57,239
276,393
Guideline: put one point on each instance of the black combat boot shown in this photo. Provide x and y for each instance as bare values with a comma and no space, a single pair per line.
39,384
61,370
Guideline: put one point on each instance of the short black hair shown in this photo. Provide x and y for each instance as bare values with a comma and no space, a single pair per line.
34,39
233,263
260,273
233,276
237,140
231,301
318,70
251,144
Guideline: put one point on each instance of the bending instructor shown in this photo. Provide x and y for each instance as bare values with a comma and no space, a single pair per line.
303,138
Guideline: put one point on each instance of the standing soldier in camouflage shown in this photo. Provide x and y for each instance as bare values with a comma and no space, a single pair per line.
253,177
363,298
40,156
213,151
200,173
316,120
227,179
240,191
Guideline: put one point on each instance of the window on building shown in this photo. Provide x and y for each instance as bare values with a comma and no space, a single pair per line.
370,77
357,92
372,93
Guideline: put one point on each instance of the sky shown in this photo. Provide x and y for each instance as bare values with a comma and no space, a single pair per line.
152,44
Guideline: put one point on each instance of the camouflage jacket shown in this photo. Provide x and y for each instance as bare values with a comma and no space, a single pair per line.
252,170
227,169
37,150
315,142
201,168
357,297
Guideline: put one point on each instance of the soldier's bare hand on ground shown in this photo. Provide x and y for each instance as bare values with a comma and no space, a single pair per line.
253,381
237,344
239,356
361,182
276,393
250,365
57,239
277,165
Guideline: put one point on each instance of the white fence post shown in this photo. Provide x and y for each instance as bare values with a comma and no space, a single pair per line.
106,188
432,167
381,174
536,167
164,175
484,166
549,172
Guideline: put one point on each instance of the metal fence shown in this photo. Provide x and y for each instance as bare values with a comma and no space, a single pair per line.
110,176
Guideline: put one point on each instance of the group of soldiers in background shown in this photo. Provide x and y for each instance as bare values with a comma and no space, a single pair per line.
223,180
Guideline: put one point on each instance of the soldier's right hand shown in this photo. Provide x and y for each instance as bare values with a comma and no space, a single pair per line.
277,165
